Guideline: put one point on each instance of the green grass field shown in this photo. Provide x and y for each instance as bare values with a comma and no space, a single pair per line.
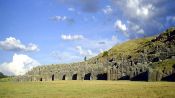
87,89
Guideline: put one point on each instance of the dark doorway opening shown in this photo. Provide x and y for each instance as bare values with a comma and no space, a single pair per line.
53,77
64,77
155,59
87,76
41,79
74,77
102,76
140,77
169,77
126,77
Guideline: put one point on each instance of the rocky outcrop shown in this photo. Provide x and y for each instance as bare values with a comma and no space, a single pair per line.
151,60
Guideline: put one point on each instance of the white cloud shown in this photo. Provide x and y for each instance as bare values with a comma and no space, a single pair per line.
99,44
107,10
13,44
150,15
59,18
71,9
135,8
86,47
133,27
72,37
84,52
119,25
19,65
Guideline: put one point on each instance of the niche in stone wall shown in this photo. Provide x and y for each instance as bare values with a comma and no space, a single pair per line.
64,77
74,77
102,76
140,77
124,77
53,77
87,76
169,77
41,79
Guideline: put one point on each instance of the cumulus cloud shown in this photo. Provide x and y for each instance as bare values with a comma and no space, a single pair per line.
107,10
139,8
84,52
98,45
19,65
72,37
92,48
130,27
119,25
135,28
13,44
135,8
150,15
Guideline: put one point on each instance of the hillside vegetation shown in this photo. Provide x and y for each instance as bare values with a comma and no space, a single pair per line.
133,48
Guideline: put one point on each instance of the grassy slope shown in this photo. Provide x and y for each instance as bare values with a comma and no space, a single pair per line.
129,48
133,47
87,89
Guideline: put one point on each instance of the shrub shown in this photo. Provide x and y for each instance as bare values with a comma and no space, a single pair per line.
105,53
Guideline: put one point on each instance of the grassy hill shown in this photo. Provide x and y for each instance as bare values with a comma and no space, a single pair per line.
151,58
133,48
126,49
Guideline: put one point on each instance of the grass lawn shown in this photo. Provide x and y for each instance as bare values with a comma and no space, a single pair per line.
87,89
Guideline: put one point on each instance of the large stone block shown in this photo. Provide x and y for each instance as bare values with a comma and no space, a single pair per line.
154,75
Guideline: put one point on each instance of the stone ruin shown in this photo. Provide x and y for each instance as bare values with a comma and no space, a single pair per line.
111,70
140,68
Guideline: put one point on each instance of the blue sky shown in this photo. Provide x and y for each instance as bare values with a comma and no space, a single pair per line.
40,32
